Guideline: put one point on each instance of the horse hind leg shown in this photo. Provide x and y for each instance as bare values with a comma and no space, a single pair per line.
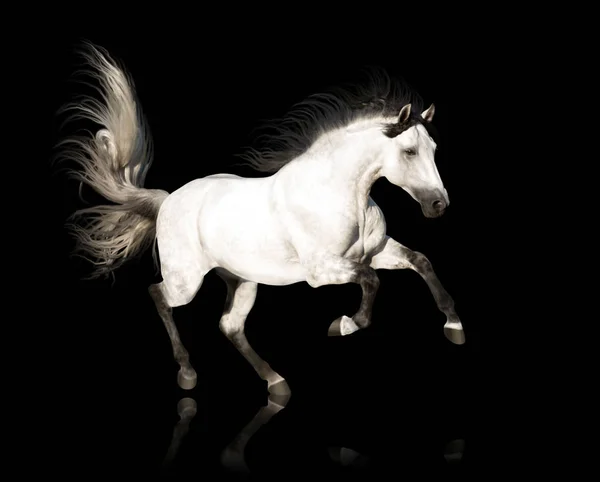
241,295
177,289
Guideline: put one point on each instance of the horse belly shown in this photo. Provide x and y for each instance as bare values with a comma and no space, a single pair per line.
265,270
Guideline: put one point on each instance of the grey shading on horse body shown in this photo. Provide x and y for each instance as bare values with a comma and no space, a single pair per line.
311,219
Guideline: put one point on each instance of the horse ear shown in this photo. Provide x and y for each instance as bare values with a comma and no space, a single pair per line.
404,114
427,115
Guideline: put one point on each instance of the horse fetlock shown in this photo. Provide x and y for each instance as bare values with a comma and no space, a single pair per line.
279,387
181,355
449,311
362,321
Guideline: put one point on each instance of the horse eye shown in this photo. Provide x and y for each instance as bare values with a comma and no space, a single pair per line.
410,152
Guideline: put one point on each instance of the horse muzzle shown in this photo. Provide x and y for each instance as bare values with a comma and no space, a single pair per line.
435,204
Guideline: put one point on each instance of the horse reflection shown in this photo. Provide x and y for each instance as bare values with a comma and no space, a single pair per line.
186,409
453,453
232,456
347,457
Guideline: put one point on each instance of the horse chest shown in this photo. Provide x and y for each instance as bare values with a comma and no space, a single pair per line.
352,234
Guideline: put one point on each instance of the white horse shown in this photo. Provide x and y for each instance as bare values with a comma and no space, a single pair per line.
311,219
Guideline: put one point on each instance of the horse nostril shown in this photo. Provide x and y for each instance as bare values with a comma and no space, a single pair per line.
438,205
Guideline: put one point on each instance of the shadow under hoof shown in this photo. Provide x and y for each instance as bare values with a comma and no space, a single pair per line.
454,451
187,381
280,388
348,457
456,336
234,461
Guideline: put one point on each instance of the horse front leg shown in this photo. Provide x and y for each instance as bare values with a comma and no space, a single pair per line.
395,256
331,270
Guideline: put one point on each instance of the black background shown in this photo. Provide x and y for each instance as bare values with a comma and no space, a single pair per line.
397,392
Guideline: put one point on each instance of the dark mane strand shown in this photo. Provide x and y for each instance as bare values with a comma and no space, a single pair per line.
295,133
395,129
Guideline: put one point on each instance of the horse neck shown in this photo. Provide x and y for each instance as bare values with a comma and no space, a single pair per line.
350,160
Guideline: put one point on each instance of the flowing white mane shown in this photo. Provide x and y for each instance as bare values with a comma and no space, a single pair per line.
378,99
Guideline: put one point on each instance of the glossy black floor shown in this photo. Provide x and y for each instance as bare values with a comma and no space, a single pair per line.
396,397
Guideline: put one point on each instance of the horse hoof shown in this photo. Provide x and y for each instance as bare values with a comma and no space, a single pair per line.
187,407
454,332
187,379
334,328
279,388
342,326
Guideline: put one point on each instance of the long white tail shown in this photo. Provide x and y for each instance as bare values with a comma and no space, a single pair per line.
114,163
